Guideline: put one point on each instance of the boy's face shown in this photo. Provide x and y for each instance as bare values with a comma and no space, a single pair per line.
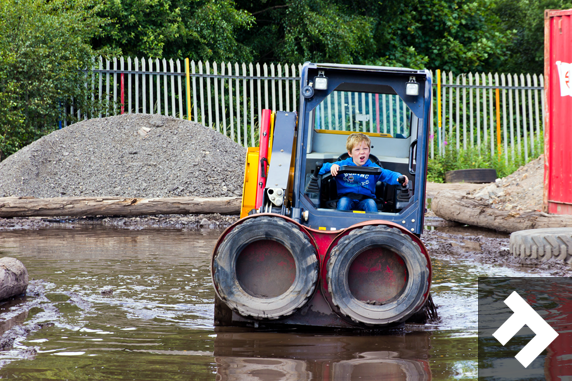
360,154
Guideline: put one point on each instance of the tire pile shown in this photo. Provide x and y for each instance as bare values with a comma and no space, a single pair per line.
132,155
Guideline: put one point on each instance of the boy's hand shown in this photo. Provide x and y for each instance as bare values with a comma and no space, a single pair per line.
403,180
334,170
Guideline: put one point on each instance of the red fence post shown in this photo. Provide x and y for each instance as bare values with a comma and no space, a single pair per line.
122,94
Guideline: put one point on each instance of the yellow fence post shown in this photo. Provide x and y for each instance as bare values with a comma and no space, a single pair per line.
188,88
439,97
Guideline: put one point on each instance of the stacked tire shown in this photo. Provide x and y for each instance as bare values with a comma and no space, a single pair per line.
393,248
257,294
543,244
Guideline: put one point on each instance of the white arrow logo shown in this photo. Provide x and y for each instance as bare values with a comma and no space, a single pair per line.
525,315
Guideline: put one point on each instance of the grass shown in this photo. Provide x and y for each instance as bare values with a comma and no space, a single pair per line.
479,157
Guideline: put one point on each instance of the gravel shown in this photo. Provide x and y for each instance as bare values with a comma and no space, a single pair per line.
131,155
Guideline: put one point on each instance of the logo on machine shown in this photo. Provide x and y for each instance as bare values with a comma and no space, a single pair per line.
523,315
564,71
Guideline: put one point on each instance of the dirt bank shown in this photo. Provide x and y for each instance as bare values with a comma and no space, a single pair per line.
519,192
510,204
486,248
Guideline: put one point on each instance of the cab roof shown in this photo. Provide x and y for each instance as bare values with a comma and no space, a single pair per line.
378,69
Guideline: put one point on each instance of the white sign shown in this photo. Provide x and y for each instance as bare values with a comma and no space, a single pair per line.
525,315
565,73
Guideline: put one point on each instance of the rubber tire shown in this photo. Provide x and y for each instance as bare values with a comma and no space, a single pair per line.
543,244
265,228
360,240
475,175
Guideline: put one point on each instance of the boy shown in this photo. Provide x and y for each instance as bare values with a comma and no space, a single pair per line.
357,192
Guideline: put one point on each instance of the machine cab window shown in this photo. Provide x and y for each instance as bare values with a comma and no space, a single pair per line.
392,129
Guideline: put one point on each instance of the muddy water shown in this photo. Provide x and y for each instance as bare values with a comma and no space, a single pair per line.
117,304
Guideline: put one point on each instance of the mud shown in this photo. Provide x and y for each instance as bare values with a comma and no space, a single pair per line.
486,247
171,221
450,238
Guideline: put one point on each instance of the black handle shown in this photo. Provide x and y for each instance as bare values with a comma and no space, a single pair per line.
376,171
263,166
411,151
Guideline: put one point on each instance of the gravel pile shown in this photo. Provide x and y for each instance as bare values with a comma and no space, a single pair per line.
520,191
130,155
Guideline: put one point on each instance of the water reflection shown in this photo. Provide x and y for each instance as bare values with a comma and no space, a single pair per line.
155,318
268,356
12,316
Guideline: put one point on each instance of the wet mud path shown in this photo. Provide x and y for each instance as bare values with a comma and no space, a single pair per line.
122,304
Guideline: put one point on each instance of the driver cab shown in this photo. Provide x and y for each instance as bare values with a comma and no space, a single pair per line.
381,114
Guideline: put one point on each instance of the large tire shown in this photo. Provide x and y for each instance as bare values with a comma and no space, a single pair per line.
246,296
412,293
475,175
543,244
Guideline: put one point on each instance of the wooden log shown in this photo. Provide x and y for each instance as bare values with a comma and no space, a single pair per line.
115,206
458,207
13,278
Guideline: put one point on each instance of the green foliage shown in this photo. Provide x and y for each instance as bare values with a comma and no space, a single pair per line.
525,19
479,157
43,46
453,35
200,30
304,30
458,36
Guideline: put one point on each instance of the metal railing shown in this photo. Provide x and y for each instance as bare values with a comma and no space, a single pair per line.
502,112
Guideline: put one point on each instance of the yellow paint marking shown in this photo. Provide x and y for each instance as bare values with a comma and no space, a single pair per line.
334,132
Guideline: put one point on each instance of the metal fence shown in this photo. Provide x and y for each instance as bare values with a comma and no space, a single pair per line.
499,112
502,112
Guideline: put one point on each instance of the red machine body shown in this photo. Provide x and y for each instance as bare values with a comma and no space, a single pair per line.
319,310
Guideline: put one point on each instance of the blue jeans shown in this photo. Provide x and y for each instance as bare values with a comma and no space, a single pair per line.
368,204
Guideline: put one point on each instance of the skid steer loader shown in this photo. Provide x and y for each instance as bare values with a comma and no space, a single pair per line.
293,259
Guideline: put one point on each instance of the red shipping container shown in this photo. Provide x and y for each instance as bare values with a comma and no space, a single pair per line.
558,116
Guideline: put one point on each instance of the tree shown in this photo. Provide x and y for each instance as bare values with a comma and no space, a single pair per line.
457,35
43,48
199,29
303,30
525,18
453,35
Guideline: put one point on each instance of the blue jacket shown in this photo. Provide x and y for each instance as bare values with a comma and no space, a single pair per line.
360,184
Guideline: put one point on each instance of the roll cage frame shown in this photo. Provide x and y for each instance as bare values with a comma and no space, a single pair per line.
372,79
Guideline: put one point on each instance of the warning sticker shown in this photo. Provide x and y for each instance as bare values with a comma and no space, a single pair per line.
565,72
